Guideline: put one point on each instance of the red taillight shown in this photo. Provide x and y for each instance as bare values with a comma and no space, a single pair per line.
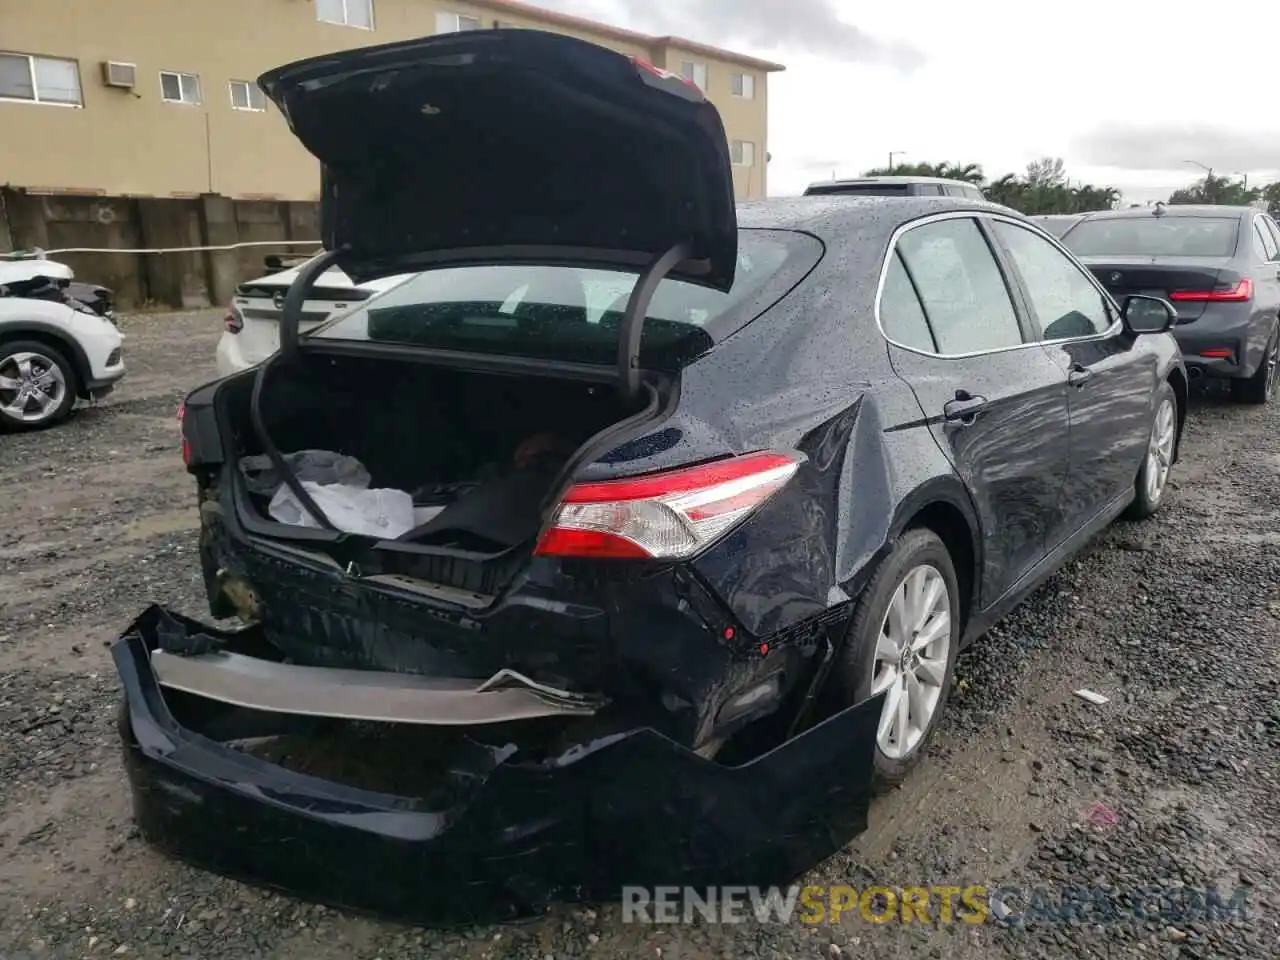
664,516
1217,354
1241,292
186,444
233,322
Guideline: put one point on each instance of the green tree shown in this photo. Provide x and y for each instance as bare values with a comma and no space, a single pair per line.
1043,189
1218,190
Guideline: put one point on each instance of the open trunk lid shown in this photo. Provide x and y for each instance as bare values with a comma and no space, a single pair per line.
510,144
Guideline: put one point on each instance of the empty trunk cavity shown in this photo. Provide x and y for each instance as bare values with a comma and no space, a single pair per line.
476,457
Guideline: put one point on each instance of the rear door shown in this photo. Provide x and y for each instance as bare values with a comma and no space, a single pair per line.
995,402
1111,378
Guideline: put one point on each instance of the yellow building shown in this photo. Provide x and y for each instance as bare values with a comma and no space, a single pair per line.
156,98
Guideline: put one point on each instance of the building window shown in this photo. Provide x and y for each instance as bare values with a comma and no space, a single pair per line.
743,153
247,96
39,79
744,86
695,73
456,23
346,13
179,87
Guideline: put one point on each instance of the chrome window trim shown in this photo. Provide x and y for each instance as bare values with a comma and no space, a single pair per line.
1110,332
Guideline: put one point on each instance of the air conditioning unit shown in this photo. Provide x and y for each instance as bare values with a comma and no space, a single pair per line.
117,74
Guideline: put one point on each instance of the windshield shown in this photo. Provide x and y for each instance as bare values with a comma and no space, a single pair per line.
559,312
1148,236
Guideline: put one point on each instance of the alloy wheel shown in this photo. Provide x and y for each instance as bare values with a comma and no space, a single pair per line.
912,653
32,387
1160,450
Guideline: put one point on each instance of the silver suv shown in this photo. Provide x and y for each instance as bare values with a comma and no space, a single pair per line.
895,187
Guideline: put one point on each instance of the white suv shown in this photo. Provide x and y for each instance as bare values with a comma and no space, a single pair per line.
54,348
252,323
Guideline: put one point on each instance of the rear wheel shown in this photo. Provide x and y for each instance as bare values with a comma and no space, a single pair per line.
1153,475
37,385
903,643
1261,387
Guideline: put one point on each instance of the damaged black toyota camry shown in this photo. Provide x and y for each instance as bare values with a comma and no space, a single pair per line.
647,530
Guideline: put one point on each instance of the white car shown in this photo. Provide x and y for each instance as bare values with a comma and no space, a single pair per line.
252,323
53,347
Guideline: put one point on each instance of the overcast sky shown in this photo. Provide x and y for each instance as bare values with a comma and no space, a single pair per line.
1124,91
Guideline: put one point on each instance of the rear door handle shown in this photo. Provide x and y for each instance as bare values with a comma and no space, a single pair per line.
964,408
1077,376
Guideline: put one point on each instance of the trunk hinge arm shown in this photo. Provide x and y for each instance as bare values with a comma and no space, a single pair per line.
633,318
290,315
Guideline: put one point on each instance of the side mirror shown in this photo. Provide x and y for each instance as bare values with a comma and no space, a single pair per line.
1142,314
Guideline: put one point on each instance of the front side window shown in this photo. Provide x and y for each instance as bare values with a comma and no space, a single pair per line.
346,13
552,312
247,96
39,79
1064,299
743,153
695,73
180,87
960,286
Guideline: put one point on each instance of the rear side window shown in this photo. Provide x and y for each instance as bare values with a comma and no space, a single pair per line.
960,285
566,312
1149,236
862,190
1263,241
901,316
1270,226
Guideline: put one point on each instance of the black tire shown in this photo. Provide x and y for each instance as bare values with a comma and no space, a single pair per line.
52,357
852,675
1145,502
1261,387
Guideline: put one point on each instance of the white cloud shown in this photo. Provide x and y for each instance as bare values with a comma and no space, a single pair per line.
1118,88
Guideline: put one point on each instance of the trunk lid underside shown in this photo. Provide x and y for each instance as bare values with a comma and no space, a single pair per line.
458,146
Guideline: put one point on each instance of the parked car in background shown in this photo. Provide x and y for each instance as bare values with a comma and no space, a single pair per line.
251,326
58,342
1058,223
1218,265
691,572
894,187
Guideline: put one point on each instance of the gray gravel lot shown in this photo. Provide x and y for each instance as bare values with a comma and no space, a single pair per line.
1177,621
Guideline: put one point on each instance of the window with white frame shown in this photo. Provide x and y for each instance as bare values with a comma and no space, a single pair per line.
179,87
744,86
456,22
346,13
40,79
743,153
694,72
247,96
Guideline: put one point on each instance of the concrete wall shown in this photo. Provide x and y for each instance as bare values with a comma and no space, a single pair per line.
125,143
149,223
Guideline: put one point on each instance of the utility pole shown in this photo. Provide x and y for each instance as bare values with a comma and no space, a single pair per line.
892,154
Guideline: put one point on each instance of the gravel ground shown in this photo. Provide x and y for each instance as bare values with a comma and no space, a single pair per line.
1176,620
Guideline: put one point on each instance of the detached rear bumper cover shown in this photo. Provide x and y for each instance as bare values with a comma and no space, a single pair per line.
629,808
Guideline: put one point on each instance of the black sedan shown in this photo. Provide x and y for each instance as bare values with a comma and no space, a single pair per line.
660,523
1218,265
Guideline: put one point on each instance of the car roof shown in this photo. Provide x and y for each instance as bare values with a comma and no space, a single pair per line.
833,217
893,179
